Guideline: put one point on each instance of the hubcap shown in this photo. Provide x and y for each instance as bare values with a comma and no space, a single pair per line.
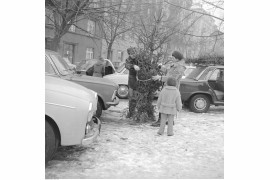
200,103
123,91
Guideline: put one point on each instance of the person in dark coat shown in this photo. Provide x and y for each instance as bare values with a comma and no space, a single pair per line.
132,65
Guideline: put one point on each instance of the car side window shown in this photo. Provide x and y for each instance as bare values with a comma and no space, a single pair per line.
215,75
48,67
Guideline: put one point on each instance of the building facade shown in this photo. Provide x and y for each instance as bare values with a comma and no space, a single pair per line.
78,43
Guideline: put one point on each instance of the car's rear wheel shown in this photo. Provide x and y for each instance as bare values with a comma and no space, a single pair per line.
199,103
122,91
99,109
50,141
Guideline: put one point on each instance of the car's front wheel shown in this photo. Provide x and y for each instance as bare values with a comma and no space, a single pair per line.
122,91
199,103
50,141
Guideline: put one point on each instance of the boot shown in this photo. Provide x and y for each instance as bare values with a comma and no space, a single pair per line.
157,123
131,108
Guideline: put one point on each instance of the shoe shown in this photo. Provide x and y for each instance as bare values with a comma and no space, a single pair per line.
155,124
159,134
170,134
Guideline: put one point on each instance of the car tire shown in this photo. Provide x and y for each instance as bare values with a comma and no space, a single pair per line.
50,141
122,91
199,103
99,109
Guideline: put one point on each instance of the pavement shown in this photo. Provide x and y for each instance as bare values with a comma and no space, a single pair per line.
128,150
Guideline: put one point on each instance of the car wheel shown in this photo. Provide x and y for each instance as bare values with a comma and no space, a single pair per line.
99,109
199,103
122,91
50,141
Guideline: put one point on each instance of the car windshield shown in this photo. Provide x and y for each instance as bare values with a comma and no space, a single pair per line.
195,73
188,71
61,64
86,64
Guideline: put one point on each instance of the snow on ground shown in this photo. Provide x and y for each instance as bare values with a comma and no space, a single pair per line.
128,150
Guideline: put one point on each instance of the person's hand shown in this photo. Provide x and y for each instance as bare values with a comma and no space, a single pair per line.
157,77
137,68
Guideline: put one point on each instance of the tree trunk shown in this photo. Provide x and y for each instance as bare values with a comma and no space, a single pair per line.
109,51
55,44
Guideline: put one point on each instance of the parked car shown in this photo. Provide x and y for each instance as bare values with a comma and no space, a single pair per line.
203,87
85,66
120,77
106,89
69,115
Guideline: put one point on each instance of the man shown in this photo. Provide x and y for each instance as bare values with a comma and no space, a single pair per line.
132,65
99,68
176,70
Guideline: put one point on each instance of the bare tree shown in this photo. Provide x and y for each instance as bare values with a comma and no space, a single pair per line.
116,23
66,13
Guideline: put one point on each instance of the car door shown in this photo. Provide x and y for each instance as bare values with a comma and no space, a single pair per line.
216,82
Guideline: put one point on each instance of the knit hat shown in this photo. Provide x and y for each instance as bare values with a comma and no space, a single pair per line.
131,50
177,55
171,81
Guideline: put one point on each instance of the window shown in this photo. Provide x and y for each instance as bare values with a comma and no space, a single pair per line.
120,55
48,67
89,53
72,28
91,27
68,51
216,74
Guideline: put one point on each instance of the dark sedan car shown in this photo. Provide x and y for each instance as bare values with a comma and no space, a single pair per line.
106,89
203,87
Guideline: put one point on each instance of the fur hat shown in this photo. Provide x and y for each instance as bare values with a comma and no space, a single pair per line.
177,55
171,81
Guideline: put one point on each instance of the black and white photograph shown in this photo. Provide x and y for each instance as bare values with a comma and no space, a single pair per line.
134,89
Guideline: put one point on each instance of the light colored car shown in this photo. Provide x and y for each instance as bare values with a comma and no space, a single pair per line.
85,65
106,89
120,77
69,115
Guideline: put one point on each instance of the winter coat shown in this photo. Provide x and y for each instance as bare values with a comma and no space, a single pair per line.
169,100
99,69
176,70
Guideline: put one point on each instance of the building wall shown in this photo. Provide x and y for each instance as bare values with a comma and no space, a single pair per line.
80,40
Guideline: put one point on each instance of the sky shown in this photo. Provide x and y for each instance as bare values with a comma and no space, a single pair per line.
213,10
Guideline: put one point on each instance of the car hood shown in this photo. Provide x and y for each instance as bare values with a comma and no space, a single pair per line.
67,87
97,80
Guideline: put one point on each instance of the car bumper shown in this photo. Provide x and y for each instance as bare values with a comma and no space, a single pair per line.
114,102
92,136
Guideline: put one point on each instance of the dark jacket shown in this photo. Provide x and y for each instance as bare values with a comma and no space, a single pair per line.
130,66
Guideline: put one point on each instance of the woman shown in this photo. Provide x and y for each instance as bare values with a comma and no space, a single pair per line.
176,71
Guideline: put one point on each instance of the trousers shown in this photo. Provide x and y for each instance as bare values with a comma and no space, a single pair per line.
164,118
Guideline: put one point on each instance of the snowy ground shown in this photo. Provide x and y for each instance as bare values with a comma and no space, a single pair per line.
128,150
